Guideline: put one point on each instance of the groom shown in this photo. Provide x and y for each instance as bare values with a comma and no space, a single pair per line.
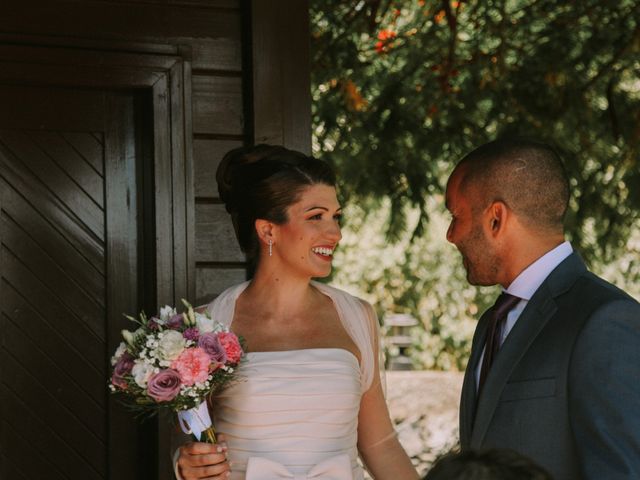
554,371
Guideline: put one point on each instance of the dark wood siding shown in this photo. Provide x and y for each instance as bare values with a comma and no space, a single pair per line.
209,32
54,301
277,98
167,66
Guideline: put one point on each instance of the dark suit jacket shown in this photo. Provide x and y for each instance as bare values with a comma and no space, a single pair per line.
565,386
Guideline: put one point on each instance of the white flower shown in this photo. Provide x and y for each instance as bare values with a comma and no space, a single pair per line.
132,337
170,345
119,351
141,372
204,323
166,313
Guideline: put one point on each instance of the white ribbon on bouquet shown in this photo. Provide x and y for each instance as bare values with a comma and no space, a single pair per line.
195,420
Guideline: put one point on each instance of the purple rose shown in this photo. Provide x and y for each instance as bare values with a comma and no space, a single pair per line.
122,367
210,343
175,322
164,385
153,324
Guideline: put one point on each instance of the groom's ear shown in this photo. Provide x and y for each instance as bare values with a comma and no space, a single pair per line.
497,215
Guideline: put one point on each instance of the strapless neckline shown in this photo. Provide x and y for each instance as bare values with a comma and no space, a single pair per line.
303,351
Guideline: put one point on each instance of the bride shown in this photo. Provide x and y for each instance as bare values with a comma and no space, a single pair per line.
309,401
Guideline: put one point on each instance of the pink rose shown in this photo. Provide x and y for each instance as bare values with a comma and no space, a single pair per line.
122,368
164,385
192,365
211,344
231,346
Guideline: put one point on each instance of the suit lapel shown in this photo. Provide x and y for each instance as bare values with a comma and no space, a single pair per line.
535,316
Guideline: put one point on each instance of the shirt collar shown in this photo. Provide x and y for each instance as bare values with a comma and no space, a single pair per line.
526,284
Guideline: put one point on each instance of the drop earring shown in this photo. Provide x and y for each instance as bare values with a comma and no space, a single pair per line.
270,247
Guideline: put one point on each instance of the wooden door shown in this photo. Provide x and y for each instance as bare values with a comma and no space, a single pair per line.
69,268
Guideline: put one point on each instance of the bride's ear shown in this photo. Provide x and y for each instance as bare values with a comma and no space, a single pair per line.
265,230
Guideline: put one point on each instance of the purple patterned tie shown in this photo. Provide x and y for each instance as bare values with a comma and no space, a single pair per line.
501,308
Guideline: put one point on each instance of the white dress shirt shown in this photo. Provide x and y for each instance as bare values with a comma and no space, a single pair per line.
525,285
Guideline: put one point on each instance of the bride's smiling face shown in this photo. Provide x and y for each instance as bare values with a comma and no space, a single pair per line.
306,242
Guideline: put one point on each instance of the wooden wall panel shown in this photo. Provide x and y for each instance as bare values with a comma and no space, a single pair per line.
271,84
53,347
210,33
23,146
207,154
215,31
217,53
217,105
217,241
186,3
281,75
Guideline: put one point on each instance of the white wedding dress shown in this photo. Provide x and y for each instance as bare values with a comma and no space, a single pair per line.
294,414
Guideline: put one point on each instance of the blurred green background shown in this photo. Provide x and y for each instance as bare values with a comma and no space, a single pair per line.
403,89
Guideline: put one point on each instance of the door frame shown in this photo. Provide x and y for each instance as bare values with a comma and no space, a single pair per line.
167,77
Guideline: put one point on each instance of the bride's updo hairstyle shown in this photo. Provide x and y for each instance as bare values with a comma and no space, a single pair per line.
261,182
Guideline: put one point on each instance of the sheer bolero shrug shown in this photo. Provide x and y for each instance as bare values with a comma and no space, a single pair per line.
357,316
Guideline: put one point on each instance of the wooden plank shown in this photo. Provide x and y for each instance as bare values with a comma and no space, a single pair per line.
281,75
232,4
58,369
53,211
18,147
55,244
215,32
61,75
51,429
79,107
15,443
207,155
109,61
163,183
91,148
215,238
189,204
211,282
124,444
217,105
81,168
40,268
73,329
181,163
224,54
7,469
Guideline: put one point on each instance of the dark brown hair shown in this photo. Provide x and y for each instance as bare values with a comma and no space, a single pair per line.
261,182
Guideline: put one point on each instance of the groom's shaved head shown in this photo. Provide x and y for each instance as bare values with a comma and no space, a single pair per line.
526,175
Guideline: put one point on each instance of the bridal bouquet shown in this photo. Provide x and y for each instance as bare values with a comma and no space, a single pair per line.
176,361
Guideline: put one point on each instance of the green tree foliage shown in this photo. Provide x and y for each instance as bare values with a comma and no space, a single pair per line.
403,89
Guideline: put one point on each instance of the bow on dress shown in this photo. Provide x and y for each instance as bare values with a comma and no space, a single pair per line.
334,468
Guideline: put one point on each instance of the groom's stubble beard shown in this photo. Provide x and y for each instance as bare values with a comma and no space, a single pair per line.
481,261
